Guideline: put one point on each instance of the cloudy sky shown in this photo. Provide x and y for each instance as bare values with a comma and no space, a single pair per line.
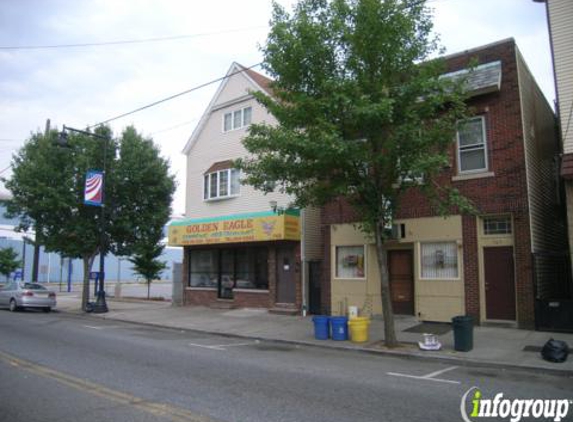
81,86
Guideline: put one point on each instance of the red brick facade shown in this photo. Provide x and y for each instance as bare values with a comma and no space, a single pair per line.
243,298
504,191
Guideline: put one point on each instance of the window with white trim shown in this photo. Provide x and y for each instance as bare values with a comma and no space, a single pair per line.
472,146
350,262
439,260
497,225
221,184
237,119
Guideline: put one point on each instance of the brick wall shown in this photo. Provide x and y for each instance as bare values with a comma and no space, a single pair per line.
245,298
471,272
503,193
200,297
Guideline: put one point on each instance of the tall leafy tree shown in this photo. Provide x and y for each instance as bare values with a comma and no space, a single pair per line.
8,261
47,186
362,113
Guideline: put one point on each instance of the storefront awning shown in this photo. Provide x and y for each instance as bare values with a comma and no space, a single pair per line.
252,227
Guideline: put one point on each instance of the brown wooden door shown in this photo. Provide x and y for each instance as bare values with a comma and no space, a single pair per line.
286,288
499,283
401,273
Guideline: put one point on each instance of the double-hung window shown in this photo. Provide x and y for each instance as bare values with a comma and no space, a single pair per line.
237,119
472,146
221,183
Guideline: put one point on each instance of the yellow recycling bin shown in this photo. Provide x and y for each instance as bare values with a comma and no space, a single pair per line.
359,329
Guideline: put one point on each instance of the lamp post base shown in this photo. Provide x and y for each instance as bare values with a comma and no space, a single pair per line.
100,306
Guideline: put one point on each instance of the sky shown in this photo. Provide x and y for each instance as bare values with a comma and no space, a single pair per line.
82,86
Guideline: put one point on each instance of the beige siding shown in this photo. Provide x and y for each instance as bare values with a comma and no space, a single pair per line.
435,300
561,18
213,145
541,149
362,293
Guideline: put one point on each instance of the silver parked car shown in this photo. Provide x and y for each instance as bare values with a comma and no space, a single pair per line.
17,294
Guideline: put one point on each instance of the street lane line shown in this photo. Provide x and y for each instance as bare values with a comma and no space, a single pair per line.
396,374
174,413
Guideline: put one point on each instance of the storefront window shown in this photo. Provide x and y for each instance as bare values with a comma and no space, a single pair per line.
350,262
228,269
204,268
439,260
252,269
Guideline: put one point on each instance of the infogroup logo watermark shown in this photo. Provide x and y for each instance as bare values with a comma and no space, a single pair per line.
475,406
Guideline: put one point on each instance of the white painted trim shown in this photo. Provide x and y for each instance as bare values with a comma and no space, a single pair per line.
486,155
335,277
229,184
232,113
235,67
472,176
459,253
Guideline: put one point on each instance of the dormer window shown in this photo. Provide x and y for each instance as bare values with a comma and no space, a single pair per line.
237,119
221,181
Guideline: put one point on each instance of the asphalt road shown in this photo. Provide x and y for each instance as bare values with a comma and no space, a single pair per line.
61,367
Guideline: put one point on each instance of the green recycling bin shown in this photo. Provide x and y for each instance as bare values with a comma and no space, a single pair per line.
463,333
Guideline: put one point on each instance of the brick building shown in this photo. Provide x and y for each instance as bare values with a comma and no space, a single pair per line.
503,159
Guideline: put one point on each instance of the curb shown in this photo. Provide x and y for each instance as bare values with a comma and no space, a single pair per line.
460,361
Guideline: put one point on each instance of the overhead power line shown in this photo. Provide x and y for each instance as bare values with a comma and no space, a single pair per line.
186,123
5,169
171,97
137,41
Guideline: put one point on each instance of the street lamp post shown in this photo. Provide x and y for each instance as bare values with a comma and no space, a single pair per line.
101,304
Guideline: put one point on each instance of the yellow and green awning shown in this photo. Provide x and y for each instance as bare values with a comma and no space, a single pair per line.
251,227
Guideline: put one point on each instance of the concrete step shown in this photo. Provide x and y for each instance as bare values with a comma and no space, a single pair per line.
289,311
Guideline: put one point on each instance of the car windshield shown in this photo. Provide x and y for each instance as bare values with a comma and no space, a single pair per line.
34,286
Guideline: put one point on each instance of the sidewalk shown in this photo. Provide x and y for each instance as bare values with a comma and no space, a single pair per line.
493,347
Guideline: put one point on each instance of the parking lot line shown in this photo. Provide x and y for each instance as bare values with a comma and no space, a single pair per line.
428,377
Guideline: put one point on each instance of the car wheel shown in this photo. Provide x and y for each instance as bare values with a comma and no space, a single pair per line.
13,305
47,310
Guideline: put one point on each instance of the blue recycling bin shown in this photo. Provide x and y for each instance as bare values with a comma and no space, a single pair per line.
339,328
321,323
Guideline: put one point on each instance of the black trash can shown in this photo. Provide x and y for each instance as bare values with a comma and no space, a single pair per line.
463,333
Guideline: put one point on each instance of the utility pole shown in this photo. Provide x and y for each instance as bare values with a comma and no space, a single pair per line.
36,260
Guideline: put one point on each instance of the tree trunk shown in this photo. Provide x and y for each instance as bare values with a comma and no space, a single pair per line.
389,330
88,261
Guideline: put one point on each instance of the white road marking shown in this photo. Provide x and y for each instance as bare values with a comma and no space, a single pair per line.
428,377
237,344
206,347
433,374
100,327
223,347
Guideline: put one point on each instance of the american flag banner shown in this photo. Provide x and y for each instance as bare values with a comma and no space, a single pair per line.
93,193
